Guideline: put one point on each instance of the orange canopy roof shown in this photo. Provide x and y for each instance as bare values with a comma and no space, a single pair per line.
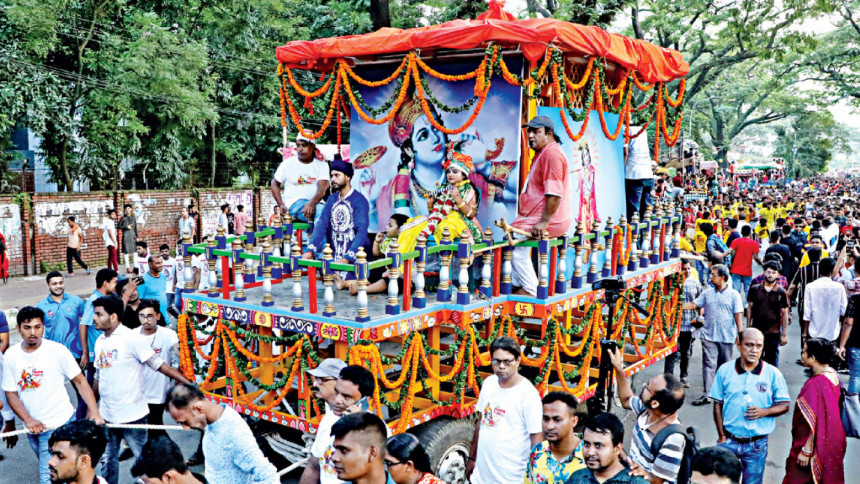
652,63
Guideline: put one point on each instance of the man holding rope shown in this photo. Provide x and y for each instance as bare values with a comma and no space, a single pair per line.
34,374
121,357
231,451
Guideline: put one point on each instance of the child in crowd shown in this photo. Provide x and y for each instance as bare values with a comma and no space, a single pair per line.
454,206
378,278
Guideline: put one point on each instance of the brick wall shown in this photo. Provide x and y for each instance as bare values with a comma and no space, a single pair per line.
13,230
267,203
210,202
50,212
157,215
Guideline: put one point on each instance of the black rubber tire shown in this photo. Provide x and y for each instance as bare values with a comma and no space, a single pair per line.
441,434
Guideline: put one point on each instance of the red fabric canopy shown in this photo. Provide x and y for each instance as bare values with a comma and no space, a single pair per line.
652,63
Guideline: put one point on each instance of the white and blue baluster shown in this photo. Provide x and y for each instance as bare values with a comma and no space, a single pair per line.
487,269
267,275
393,306
297,278
561,266
443,294
238,269
328,281
213,272
361,273
464,251
607,251
576,283
419,299
543,266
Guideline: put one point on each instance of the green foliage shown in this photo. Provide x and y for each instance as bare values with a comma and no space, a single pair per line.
809,142
172,94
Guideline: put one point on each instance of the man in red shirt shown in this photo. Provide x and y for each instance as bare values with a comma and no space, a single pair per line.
743,250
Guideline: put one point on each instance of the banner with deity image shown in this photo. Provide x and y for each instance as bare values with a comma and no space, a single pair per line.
399,163
596,168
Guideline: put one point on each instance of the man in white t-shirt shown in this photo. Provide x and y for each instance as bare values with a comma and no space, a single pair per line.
165,344
34,377
168,268
122,355
638,175
179,277
187,225
511,420
141,258
109,238
200,265
301,181
353,386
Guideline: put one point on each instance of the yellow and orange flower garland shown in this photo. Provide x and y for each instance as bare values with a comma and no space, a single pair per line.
409,72
661,325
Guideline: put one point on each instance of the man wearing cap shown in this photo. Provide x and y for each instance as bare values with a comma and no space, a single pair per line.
343,221
344,390
545,202
301,181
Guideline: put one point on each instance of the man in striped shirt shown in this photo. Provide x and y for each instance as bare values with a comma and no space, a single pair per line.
657,408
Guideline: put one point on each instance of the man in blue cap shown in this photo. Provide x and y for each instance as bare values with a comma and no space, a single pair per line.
344,220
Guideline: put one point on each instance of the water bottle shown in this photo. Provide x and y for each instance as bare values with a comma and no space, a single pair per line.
748,401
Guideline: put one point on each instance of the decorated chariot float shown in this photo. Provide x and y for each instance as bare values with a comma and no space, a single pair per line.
271,315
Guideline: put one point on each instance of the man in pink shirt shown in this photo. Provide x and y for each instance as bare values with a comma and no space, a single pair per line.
73,249
545,202
240,220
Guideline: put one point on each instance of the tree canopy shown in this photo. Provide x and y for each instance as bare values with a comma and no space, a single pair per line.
174,94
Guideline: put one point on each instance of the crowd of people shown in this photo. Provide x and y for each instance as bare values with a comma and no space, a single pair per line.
120,354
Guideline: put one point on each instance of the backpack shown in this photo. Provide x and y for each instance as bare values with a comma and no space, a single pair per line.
691,446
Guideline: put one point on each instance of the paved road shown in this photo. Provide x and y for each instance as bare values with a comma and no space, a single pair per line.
20,463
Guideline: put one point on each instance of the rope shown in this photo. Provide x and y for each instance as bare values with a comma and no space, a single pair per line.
112,426
294,466
282,472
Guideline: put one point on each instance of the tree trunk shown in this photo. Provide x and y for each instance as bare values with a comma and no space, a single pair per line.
379,14
212,161
64,167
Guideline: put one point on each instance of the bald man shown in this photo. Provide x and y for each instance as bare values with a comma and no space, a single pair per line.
748,395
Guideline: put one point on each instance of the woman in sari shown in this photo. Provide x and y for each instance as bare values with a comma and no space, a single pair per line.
4,260
407,461
818,439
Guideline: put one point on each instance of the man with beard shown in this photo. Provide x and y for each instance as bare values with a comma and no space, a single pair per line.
656,409
75,451
510,423
34,377
344,221
64,322
231,451
556,459
341,387
301,182
155,285
748,395
768,311
602,444
121,356
359,449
